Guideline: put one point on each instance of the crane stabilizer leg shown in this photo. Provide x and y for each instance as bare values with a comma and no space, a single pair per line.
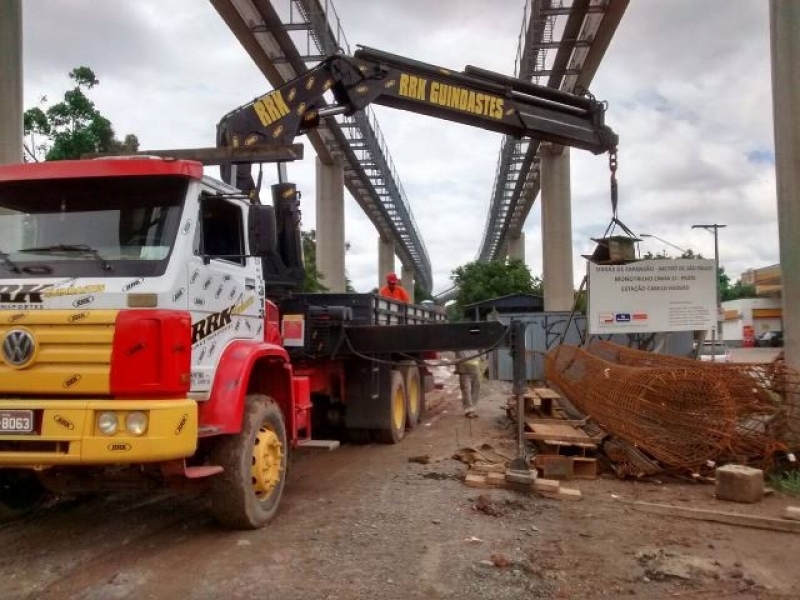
519,470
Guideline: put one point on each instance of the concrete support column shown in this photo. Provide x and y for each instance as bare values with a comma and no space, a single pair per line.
330,225
11,81
516,247
407,279
785,50
556,230
385,260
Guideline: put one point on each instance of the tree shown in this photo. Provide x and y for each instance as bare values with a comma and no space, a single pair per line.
312,278
477,281
72,127
739,290
420,295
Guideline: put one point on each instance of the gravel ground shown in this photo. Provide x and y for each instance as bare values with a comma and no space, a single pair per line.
364,522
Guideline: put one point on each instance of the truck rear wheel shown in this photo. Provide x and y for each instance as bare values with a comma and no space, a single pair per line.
247,493
414,393
396,405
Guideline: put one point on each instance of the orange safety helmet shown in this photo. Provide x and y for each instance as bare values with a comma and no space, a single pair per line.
391,278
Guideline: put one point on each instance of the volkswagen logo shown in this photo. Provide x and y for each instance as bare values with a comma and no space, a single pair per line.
18,347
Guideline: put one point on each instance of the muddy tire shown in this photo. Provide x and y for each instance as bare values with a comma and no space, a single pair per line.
247,494
20,493
395,405
415,394
359,436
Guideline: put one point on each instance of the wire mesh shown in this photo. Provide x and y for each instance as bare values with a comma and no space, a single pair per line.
682,413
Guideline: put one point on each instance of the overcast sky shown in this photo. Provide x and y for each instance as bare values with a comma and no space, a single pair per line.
687,82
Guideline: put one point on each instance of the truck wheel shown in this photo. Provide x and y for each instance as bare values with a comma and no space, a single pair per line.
247,493
20,493
396,405
414,394
359,436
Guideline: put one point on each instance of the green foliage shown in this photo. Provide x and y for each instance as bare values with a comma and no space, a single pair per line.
736,291
787,481
72,127
420,295
740,290
664,255
312,280
477,281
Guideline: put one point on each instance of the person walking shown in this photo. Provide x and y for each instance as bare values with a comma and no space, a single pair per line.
468,368
393,289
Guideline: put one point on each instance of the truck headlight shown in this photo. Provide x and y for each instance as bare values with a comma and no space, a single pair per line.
107,423
136,423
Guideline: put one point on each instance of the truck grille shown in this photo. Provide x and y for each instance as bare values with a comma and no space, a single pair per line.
56,352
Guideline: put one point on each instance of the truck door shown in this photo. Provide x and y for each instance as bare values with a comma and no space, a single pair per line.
224,286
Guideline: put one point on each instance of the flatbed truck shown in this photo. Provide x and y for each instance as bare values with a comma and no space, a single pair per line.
151,333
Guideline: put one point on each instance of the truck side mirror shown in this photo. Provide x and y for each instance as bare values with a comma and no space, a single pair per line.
261,230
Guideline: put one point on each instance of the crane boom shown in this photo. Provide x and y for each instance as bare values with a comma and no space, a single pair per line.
473,97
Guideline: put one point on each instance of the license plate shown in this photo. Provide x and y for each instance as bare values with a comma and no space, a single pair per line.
16,421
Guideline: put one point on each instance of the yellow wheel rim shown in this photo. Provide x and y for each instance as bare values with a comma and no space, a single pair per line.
399,409
267,460
413,398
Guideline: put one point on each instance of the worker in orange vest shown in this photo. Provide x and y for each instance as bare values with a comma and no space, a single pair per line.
393,289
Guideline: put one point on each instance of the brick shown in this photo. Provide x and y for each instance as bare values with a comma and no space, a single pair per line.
555,466
569,494
584,468
496,479
738,483
488,468
472,480
547,486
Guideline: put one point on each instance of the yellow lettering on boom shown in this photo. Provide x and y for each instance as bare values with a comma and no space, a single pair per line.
412,86
270,108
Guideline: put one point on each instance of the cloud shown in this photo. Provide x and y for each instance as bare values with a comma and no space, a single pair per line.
688,88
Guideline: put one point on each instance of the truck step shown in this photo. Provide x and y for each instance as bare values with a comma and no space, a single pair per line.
202,471
318,444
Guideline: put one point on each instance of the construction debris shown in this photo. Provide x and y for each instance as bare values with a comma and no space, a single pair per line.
715,516
673,413
738,483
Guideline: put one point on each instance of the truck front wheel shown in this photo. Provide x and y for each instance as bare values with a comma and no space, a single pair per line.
247,493
20,492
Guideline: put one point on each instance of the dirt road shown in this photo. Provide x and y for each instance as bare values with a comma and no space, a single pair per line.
364,522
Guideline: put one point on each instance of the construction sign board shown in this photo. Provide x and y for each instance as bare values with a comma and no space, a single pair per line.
652,295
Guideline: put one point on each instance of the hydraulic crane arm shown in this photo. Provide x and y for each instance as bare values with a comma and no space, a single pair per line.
474,97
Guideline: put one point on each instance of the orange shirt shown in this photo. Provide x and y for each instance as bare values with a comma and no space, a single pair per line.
398,293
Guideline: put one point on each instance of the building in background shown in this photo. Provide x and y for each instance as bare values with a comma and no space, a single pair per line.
747,318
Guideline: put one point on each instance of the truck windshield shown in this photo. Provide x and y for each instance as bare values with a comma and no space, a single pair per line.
82,227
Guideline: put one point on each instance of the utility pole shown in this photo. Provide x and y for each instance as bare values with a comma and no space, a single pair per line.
714,228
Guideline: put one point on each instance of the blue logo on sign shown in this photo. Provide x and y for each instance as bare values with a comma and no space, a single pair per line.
623,317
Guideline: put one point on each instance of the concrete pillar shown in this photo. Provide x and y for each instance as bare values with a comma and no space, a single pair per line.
407,279
556,230
516,247
385,260
330,226
785,50
11,81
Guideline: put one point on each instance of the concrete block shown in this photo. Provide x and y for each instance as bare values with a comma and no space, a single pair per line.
738,483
